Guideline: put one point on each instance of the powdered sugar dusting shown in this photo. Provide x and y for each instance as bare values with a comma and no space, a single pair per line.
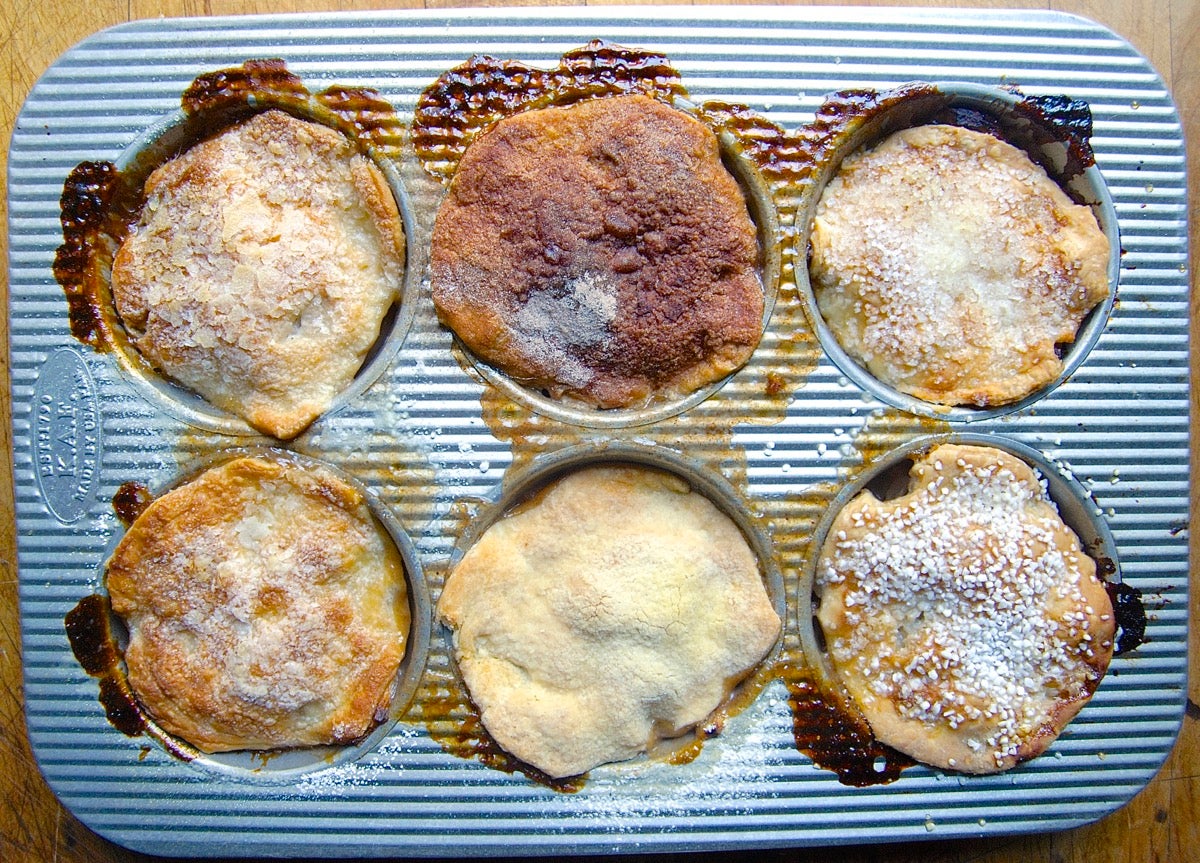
552,323
731,772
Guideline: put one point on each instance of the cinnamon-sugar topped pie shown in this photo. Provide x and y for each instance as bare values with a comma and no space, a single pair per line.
600,252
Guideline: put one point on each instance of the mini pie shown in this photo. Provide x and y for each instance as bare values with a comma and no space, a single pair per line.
600,252
963,618
618,609
261,269
951,266
266,609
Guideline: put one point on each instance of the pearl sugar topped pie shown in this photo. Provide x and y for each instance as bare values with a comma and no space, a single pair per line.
963,618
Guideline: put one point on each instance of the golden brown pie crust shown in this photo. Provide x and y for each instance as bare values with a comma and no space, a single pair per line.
951,266
617,609
262,267
266,608
963,618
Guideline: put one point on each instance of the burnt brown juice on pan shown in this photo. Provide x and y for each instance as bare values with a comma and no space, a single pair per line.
94,645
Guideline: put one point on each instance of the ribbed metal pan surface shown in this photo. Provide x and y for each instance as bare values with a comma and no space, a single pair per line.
428,434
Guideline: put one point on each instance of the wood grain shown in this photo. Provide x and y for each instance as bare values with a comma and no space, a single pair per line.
1160,824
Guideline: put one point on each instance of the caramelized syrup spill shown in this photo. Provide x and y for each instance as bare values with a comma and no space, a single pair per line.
130,501
471,97
1066,121
241,86
1130,614
529,433
365,115
90,635
95,211
778,155
835,737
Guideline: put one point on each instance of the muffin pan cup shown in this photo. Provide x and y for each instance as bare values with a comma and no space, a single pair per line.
765,216
525,484
170,136
888,478
440,449
290,765
1014,118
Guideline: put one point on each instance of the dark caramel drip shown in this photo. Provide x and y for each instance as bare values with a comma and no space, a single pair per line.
969,118
247,84
131,501
602,68
843,112
835,737
90,635
1106,567
463,102
366,115
120,706
1073,119
471,97
777,154
87,215
1130,614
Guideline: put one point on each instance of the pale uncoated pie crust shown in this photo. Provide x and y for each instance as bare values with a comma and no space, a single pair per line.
266,608
601,252
617,609
951,266
262,267
963,618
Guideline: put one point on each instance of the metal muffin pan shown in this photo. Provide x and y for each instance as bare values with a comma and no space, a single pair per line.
433,443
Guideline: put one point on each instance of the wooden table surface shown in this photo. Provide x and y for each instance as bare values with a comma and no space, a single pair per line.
1161,824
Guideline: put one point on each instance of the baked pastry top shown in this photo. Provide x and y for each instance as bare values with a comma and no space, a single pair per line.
261,269
600,252
963,618
951,266
617,609
266,608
